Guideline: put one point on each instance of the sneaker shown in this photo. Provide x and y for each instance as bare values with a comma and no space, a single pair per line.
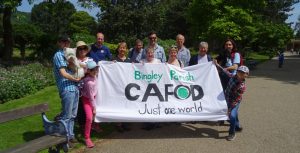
89,143
239,129
70,144
231,137
73,140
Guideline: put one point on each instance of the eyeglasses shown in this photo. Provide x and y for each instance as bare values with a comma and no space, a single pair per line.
82,48
152,38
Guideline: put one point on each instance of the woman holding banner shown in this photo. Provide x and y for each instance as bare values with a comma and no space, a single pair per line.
121,57
173,51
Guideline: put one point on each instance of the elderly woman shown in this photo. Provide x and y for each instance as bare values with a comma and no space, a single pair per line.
173,57
202,56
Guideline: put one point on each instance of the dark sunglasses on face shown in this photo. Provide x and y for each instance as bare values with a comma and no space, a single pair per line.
82,48
152,37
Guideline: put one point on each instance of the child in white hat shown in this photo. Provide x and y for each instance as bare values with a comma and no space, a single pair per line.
233,94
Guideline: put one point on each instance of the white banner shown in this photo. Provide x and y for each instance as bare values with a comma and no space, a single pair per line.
159,93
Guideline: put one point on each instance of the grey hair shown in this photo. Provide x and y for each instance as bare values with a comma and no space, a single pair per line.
203,44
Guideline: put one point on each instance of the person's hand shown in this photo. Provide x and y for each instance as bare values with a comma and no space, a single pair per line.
94,111
76,79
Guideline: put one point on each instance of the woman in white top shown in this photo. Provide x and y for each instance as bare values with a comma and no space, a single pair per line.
150,57
173,57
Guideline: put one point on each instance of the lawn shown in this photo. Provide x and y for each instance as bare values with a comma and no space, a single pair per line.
29,128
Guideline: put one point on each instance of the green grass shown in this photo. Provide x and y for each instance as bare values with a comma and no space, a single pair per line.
22,130
29,128
259,57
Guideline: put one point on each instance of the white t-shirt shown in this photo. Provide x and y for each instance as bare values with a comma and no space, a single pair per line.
202,59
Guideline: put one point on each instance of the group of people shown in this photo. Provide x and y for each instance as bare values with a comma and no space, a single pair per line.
70,88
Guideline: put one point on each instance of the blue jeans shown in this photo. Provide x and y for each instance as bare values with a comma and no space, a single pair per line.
69,102
234,119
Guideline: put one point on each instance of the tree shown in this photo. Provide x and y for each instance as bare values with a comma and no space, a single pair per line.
53,17
128,19
175,20
215,20
7,6
25,34
82,22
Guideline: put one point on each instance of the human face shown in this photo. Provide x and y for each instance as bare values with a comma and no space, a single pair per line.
173,52
122,49
241,75
82,51
180,40
138,46
94,72
228,45
100,38
203,50
150,55
64,44
152,39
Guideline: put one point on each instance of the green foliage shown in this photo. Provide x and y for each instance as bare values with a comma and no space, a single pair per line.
82,22
45,48
87,38
20,17
248,23
18,81
25,34
53,17
112,48
130,19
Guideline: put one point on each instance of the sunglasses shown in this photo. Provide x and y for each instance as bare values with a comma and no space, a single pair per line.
82,48
152,37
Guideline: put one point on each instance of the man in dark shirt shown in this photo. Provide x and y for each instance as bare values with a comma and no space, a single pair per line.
98,51
135,54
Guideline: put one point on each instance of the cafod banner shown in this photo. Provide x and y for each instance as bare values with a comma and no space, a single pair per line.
130,92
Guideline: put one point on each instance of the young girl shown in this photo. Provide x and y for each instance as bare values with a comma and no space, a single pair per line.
89,92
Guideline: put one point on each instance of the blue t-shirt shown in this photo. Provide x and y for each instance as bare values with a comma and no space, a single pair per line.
230,62
99,53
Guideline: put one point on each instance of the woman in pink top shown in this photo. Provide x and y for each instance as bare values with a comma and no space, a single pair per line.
88,93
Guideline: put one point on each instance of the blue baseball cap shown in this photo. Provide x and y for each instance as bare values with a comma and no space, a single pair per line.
91,64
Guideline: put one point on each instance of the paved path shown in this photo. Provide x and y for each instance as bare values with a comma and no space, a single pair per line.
269,113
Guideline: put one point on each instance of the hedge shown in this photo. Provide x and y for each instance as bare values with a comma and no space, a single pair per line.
19,81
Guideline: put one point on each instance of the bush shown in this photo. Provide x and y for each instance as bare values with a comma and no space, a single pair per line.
19,81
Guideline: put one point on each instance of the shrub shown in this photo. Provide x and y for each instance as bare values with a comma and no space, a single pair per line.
19,81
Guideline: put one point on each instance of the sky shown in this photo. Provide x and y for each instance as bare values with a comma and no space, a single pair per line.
25,7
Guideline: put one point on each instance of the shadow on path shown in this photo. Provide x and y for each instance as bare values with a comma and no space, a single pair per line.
289,73
171,130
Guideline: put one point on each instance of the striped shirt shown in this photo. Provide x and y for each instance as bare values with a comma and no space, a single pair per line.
62,83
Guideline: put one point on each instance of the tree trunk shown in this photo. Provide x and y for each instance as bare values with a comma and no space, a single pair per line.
7,33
